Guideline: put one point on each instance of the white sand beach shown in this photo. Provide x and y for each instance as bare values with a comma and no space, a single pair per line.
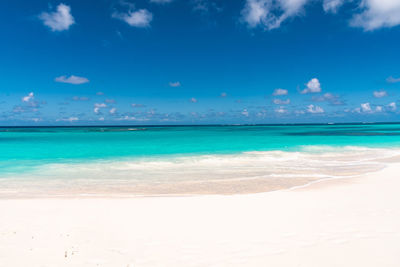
345,222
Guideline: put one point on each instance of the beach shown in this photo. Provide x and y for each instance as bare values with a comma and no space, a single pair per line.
313,195
339,222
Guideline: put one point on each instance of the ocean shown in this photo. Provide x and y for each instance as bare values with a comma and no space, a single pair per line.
140,160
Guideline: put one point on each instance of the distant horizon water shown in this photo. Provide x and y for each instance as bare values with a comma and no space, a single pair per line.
195,124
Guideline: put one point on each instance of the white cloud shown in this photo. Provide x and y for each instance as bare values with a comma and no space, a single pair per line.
281,110
70,119
97,107
223,94
377,14
392,106
313,86
113,110
366,107
314,109
59,20
281,102
193,100
393,80
71,79
370,14
332,6
262,113
28,98
132,118
280,91
270,13
140,18
175,84
379,109
379,94
299,112
245,112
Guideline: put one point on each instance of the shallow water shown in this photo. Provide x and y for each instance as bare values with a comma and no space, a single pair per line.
187,159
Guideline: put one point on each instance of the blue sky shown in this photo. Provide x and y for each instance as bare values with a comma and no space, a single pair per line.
78,62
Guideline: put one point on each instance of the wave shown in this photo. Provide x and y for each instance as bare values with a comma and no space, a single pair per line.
255,171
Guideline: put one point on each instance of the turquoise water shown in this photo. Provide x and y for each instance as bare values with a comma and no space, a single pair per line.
24,148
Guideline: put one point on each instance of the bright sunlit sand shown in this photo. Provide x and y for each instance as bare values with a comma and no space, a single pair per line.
340,222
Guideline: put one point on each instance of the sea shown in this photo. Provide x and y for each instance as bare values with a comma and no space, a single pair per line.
126,161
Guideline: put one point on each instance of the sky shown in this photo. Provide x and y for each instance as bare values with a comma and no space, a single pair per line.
129,62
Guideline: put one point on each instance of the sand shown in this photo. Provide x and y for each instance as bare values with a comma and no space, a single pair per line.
351,222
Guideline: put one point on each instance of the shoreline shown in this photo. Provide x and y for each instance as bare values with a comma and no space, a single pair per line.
247,173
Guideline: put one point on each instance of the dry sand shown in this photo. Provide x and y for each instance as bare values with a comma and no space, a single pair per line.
353,222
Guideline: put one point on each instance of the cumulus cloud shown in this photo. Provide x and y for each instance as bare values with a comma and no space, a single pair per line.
332,6
370,14
281,102
113,110
69,119
270,14
314,109
59,20
97,107
393,80
140,18
379,109
223,94
245,112
392,106
379,94
280,91
175,84
193,100
281,110
366,107
377,14
28,98
71,79
313,86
